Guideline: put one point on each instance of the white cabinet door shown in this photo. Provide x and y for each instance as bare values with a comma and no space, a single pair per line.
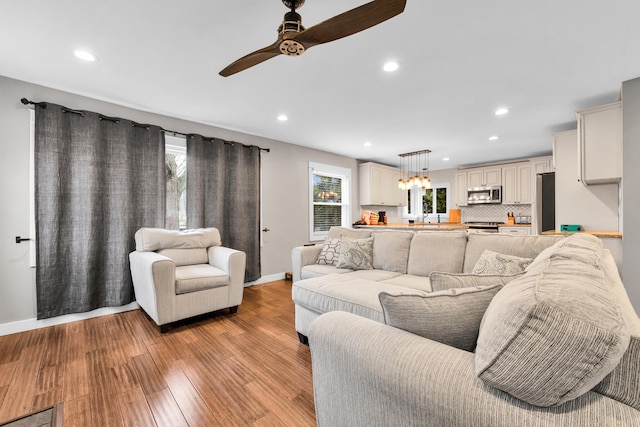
600,144
524,182
515,230
461,189
492,176
475,177
481,177
379,185
509,184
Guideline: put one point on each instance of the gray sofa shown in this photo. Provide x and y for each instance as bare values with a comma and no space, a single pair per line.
557,345
402,262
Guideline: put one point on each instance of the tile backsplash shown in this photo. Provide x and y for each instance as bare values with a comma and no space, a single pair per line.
493,213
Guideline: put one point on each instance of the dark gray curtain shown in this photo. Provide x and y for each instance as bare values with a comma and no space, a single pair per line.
223,191
97,181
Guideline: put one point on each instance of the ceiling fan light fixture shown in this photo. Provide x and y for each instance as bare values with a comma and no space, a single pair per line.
291,48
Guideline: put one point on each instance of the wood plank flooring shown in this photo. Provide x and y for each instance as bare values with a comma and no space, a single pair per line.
243,369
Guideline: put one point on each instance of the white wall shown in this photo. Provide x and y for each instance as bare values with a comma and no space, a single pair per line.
284,173
631,190
594,207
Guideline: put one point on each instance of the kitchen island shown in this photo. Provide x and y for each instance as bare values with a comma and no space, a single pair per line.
443,226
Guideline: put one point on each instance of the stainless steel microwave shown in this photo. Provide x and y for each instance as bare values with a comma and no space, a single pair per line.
484,195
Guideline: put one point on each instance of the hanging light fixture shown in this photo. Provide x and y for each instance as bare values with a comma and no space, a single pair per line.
414,165
426,182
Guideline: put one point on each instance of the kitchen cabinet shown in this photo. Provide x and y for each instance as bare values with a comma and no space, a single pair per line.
600,144
484,177
522,231
461,189
517,184
542,165
379,185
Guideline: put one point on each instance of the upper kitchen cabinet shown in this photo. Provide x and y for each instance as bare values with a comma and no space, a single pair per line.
484,177
379,185
516,183
600,144
461,189
542,165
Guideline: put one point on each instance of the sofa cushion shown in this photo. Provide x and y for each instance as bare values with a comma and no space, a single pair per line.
340,292
451,317
330,252
440,281
491,262
186,256
522,246
374,275
410,281
355,254
351,233
192,278
391,250
623,383
437,251
318,270
555,333
153,239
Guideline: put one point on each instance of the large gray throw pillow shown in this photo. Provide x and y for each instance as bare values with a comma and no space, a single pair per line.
556,332
451,317
441,281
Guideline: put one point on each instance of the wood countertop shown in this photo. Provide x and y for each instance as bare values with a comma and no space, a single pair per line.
419,226
608,234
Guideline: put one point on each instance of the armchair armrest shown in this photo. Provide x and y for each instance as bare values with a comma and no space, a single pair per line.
367,373
233,262
303,255
154,281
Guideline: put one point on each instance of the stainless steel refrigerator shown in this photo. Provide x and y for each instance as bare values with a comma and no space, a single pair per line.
546,201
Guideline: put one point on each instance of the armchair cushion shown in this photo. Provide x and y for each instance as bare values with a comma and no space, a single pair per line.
192,278
186,256
153,239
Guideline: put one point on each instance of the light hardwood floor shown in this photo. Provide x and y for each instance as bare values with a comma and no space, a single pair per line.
227,370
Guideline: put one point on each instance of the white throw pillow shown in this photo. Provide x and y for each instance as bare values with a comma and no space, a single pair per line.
491,262
356,254
330,252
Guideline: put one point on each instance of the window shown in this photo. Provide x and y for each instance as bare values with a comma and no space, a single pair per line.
434,201
176,170
329,199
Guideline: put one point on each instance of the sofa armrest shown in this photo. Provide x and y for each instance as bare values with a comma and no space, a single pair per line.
304,255
232,262
366,373
154,281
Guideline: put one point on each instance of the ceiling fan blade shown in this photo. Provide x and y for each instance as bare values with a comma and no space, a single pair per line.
254,58
350,22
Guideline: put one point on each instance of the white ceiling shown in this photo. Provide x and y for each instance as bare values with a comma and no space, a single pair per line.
459,61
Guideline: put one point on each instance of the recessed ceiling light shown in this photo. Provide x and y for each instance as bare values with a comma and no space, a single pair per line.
84,55
391,66
446,159
283,118
367,144
494,138
502,111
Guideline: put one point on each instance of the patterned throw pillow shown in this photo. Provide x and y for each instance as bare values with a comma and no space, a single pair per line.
494,263
329,253
356,254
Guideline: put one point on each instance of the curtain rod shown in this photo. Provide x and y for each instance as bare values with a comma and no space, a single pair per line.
25,101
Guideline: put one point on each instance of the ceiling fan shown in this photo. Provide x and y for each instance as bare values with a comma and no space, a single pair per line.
294,39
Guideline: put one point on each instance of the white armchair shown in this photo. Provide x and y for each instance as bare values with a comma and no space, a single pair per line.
181,274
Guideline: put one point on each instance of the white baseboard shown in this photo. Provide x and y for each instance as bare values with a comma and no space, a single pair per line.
30,324
266,279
